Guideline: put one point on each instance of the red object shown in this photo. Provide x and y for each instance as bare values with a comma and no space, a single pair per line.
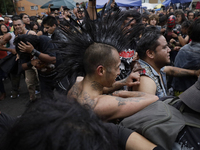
198,5
3,54
171,22
127,54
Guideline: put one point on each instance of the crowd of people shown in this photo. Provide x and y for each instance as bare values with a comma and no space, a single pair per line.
95,69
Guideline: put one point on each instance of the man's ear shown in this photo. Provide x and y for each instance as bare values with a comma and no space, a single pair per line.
100,70
150,53
54,26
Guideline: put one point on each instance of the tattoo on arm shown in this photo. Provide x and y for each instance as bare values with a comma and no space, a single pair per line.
178,72
122,101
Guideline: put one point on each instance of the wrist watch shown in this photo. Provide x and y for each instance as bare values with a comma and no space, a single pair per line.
33,52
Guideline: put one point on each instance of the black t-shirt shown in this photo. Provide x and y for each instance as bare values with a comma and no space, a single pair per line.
45,46
119,135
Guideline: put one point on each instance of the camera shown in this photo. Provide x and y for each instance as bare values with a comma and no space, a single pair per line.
176,31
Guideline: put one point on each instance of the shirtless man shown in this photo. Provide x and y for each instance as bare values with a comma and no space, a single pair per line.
101,63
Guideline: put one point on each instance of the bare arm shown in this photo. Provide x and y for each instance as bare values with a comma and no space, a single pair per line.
91,9
131,80
180,72
182,40
35,62
138,142
6,38
146,85
32,32
39,33
13,51
111,107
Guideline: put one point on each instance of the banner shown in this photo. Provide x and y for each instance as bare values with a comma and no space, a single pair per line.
120,3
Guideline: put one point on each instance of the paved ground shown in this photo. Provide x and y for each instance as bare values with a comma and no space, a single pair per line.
14,107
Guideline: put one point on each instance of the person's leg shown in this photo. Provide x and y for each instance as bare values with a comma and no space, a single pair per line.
31,82
46,87
15,82
2,90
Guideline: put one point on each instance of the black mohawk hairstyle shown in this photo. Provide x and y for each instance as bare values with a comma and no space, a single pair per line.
106,29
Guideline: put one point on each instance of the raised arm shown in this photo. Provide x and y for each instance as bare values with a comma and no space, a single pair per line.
91,9
6,38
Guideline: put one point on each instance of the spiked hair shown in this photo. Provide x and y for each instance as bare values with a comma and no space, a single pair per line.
106,30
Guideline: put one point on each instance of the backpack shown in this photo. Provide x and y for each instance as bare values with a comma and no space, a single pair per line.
160,122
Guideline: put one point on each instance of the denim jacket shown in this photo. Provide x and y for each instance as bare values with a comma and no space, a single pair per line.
150,72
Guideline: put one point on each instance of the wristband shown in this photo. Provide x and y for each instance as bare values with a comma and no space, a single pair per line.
158,148
35,53
29,64
91,0
179,35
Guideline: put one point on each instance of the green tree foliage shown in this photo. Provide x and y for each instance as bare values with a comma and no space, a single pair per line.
9,7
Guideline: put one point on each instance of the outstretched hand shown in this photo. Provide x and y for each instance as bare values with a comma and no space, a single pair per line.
27,48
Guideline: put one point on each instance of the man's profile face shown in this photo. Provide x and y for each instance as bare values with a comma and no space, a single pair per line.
50,29
26,19
19,26
162,56
113,70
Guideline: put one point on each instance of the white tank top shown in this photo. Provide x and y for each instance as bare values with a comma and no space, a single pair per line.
12,46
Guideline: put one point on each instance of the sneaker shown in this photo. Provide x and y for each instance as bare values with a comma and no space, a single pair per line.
14,95
37,92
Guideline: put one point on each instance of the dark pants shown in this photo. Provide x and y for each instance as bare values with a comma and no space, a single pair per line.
2,75
15,81
47,86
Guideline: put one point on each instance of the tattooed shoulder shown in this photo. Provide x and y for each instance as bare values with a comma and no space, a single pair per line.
123,101
74,91
86,99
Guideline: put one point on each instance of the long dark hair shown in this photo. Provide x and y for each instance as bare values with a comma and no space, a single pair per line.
8,30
